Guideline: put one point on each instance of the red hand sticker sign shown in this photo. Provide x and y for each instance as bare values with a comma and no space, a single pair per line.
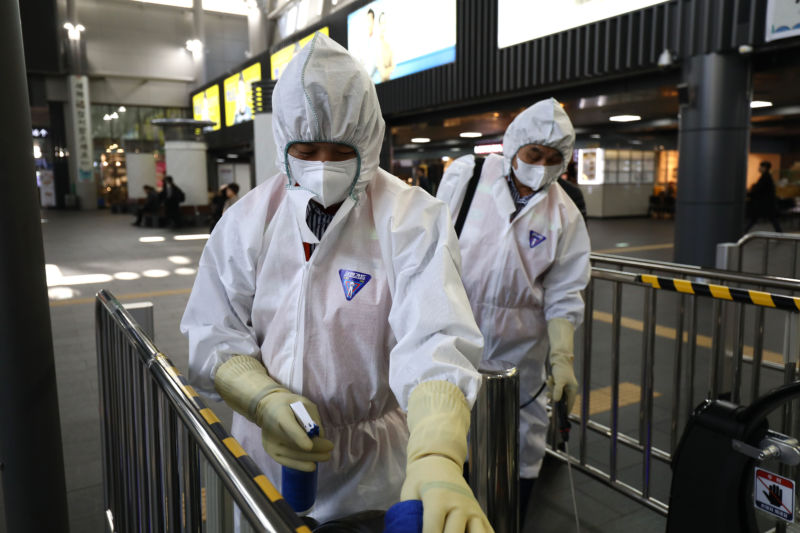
774,494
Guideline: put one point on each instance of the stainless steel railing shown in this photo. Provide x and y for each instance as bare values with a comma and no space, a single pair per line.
168,464
671,349
762,252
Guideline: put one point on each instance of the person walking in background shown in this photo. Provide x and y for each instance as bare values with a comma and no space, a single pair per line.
225,197
569,182
151,204
763,199
171,197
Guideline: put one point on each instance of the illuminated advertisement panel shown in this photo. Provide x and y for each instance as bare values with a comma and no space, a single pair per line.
238,95
519,21
395,38
281,58
205,106
783,19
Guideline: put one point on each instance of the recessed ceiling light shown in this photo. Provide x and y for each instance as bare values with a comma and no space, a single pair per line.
420,140
624,118
760,103
470,134
595,135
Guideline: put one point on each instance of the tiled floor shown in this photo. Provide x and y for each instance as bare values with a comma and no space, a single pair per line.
81,243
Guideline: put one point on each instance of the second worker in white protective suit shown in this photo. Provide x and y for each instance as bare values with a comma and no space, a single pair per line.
525,252
335,284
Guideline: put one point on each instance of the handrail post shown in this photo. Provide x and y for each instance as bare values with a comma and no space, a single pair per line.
494,445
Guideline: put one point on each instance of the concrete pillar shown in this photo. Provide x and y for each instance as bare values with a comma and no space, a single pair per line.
186,163
31,458
141,168
198,21
714,141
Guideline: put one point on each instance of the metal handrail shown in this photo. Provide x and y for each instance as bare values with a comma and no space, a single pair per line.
260,503
772,282
767,235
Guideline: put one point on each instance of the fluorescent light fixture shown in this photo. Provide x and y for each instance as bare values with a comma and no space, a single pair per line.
445,159
126,276
114,115
470,134
760,103
488,148
122,109
220,160
595,135
420,140
155,273
185,271
198,237
106,117
624,118
179,260
232,156
154,238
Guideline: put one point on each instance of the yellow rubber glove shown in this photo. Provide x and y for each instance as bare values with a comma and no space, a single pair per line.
561,334
243,383
438,419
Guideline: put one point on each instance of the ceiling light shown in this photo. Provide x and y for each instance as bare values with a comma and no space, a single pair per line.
624,118
232,156
445,159
195,46
760,103
114,115
488,148
121,109
106,117
420,140
595,135
74,31
470,134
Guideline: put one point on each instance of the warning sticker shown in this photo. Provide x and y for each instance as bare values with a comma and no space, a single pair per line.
774,494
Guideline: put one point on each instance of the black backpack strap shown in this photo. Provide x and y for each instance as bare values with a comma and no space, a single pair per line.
471,186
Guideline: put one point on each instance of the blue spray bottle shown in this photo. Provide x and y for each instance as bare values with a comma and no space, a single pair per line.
300,488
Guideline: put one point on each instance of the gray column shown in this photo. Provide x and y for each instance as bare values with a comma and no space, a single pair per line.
199,26
714,141
34,490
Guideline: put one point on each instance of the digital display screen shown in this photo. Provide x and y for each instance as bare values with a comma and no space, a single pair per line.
519,21
238,95
205,106
396,38
281,58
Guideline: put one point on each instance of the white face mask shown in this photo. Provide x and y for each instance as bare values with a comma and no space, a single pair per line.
536,176
330,181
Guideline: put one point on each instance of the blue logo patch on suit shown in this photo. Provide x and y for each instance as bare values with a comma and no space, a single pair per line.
352,282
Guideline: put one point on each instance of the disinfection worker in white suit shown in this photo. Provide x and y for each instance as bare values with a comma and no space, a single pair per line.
525,253
335,284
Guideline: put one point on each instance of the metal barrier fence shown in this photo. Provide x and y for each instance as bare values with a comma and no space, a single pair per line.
690,340
168,464
762,252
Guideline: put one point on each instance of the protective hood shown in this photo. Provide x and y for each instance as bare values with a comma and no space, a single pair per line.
545,123
324,95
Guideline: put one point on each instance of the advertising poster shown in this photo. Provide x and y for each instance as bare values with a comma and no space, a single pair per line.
47,188
783,19
281,58
205,106
79,103
519,21
238,95
395,38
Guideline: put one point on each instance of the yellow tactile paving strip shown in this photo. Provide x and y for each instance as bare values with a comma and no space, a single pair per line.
600,399
703,341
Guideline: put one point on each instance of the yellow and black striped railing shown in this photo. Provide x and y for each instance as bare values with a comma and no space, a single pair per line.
233,446
721,292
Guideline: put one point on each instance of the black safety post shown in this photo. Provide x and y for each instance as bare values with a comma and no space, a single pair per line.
714,140
34,488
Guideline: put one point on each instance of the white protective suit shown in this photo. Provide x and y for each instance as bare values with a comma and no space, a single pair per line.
523,273
378,308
